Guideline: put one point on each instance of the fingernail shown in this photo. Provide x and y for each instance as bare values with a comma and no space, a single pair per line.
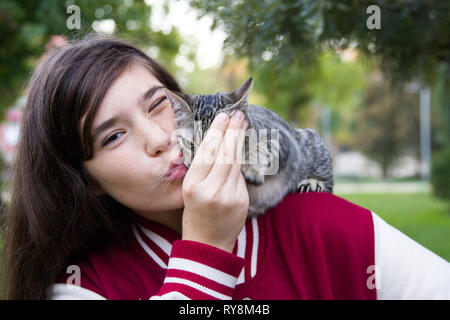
222,117
238,115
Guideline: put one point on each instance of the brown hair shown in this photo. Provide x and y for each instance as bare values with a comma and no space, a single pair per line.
53,216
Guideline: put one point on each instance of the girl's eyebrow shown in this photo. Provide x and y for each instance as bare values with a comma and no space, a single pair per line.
104,126
150,92
112,121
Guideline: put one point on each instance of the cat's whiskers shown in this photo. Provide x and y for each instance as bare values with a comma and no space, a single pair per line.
163,181
160,179
166,183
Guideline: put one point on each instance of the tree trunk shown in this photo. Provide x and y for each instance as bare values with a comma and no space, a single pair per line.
384,168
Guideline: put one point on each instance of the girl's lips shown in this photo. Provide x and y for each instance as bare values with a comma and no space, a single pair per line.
176,171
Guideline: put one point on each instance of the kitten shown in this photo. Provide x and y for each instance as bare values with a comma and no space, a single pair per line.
296,159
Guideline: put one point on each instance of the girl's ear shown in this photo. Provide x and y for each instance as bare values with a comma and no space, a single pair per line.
181,108
240,95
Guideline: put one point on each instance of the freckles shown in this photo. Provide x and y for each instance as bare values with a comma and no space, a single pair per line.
168,121
170,114
119,171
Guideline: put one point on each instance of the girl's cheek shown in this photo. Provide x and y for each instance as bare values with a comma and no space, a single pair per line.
169,121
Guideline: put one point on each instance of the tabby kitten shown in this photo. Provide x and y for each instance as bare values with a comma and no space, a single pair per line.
279,159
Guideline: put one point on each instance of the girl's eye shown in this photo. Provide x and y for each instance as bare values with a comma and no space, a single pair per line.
110,138
157,103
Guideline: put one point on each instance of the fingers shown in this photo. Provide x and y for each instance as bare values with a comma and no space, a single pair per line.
235,170
240,190
207,152
229,152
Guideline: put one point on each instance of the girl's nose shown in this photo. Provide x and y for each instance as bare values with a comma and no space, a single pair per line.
157,141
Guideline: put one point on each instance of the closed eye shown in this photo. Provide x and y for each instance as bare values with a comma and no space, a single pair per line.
157,103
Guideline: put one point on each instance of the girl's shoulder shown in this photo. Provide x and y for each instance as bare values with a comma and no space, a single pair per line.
321,215
326,239
319,207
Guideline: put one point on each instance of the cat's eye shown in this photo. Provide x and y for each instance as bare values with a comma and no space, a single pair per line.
158,103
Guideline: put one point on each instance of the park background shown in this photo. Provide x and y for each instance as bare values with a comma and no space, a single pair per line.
373,80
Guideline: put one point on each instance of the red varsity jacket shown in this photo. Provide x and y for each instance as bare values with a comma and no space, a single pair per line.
310,246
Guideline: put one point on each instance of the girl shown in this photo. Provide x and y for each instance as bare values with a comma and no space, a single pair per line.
103,208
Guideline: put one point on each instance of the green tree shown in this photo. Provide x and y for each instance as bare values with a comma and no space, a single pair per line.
25,27
329,82
338,85
440,173
441,108
413,39
413,42
286,92
386,123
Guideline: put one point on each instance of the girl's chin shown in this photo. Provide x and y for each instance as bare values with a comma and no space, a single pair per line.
169,198
175,199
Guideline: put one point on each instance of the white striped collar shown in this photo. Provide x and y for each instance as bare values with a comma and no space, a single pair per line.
156,240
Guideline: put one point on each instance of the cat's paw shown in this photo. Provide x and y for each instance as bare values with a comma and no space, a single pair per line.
252,175
311,185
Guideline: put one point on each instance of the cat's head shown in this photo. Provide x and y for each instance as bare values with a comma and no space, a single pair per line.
194,114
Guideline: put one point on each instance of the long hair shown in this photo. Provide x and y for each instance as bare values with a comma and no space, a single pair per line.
53,215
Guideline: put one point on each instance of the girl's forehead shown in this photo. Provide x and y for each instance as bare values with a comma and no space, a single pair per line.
130,86
125,91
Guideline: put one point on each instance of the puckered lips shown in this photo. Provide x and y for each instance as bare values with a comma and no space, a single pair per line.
177,169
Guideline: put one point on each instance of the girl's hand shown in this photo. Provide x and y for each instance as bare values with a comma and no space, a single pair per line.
214,189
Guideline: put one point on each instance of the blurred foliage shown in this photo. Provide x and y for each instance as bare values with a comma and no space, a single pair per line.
339,86
441,108
440,173
340,82
295,49
288,91
413,39
205,81
386,123
26,26
329,82
288,44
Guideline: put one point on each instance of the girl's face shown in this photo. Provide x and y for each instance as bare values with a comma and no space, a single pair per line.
134,144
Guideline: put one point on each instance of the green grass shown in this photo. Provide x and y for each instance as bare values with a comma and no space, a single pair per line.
420,216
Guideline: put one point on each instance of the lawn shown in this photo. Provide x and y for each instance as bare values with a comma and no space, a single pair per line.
420,216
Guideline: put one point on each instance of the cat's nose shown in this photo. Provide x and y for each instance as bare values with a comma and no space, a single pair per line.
176,155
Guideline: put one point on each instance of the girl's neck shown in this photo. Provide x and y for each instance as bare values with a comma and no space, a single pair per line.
171,219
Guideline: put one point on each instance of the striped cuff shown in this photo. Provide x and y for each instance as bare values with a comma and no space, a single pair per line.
201,272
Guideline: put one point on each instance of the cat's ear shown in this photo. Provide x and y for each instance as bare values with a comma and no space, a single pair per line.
181,108
241,94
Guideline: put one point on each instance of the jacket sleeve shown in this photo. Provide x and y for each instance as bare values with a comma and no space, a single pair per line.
195,271
199,271
405,269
